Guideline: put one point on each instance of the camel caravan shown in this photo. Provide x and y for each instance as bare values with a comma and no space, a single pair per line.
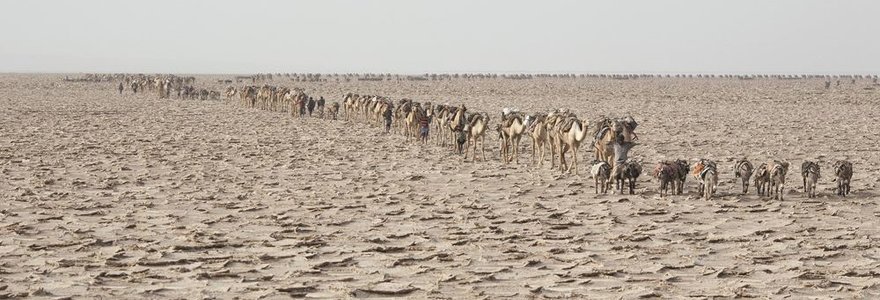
281,99
461,131
562,133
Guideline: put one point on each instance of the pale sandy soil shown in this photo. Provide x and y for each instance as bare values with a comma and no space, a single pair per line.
117,197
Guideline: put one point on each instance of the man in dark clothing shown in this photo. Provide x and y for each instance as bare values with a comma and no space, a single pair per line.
460,138
311,105
302,107
120,88
387,115
321,107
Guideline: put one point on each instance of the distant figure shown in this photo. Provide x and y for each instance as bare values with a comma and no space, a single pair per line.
120,88
460,138
320,107
134,87
311,105
827,84
838,82
387,115
424,125
302,107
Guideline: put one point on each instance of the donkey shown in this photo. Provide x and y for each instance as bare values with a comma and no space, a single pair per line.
777,171
629,175
844,171
701,168
601,172
762,179
707,172
810,173
683,170
743,169
666,173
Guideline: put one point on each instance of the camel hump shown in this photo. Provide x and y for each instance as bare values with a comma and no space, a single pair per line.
567,123
509,118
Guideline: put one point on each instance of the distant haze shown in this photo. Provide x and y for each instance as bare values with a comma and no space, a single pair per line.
407,36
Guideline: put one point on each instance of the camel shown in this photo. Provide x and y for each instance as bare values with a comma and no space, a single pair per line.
810,173
743,169
552,135
298,104
456,123
571,133
379,108
439,121
608,132
844,171
512,127
405,124
230,93
477,133
249,97
412,121
614,139
601,172
348,105
538,133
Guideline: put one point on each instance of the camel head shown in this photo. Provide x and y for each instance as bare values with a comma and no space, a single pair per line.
626,126
581,132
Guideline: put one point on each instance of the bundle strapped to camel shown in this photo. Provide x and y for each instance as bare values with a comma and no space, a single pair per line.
602,125
568,122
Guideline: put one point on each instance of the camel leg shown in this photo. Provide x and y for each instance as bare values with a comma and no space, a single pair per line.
516,151
467,148
474,151
805,186
781,191
534,150
662,186
562,163
483,146
540,158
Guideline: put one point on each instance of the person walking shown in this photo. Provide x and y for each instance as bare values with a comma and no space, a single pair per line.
387,115
424,128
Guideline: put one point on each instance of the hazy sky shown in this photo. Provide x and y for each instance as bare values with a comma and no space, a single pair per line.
408,36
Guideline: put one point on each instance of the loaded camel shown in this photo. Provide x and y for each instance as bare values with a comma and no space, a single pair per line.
477,133
570,133
511,130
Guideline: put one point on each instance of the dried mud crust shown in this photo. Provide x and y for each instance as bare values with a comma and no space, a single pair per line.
128,196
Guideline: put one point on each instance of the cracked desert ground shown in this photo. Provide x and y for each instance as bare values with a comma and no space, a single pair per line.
119,197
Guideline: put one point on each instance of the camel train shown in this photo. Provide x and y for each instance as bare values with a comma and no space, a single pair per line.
560,131
463,132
